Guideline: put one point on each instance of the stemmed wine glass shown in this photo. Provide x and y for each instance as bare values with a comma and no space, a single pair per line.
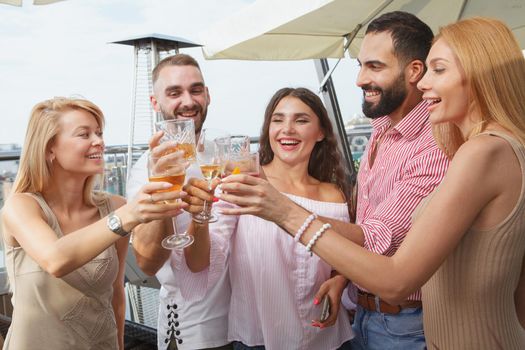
213,150
172,169
182,132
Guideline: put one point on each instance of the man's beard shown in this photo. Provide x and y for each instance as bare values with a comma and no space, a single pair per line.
391,98
173,115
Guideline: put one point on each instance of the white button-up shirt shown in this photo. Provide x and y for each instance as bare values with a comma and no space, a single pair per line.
199,323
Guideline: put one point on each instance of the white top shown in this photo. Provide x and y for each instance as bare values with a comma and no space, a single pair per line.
273,281
201,322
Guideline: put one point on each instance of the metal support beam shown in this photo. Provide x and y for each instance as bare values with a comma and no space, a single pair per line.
332,105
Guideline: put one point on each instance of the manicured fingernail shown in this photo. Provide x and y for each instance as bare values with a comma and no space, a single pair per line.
215,200
183,194
167,185
316,301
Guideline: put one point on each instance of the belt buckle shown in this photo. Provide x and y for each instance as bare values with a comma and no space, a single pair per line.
374,303
384,307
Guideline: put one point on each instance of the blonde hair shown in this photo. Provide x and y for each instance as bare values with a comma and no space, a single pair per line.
494,69
34,171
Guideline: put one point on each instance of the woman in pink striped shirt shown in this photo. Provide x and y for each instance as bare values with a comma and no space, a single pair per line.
467,244
274,280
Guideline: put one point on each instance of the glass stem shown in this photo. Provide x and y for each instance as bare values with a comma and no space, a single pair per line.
205,209
205,206
174,221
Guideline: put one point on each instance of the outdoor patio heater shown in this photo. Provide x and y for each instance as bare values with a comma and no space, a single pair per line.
148,51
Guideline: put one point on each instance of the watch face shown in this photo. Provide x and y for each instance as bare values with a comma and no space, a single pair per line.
114,223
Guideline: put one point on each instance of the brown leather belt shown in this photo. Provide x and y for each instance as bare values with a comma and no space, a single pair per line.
368,301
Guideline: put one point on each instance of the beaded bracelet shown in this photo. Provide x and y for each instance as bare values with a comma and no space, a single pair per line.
303,228
318,234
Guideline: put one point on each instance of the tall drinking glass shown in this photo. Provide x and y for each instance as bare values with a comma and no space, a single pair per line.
243,163
182,132
241,160
213,150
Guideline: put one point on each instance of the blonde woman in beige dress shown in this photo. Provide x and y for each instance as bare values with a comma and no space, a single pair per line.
467,244
65,256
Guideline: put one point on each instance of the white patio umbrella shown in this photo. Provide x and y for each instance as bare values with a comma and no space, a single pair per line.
302,29
35,2
320,29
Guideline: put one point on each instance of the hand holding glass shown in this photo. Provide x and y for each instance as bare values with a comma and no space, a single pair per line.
164,169
171,167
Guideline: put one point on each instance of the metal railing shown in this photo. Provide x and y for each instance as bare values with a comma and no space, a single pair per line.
116,158
142,290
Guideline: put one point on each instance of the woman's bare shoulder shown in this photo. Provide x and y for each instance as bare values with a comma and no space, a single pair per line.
478,164
20,200
330,192
486,149
19,208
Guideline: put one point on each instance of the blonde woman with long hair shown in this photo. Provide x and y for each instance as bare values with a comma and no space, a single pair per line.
65,243
467,244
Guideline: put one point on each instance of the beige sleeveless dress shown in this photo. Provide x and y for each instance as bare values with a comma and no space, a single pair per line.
469,302
73,312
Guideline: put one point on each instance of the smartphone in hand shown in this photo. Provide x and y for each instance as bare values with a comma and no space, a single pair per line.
325,309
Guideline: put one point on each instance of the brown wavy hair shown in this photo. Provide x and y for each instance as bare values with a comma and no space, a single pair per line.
325,160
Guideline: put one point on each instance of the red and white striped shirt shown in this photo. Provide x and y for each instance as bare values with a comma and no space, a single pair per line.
407,167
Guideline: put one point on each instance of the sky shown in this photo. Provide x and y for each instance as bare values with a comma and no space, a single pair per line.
63,49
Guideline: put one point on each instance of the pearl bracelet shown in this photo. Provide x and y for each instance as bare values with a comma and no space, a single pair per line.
314,239
303,228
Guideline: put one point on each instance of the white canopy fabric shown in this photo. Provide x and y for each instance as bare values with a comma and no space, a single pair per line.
306,29
36,2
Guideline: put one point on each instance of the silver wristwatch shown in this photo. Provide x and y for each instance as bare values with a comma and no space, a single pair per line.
115,224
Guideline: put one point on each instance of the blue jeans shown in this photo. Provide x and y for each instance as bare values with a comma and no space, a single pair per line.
377,330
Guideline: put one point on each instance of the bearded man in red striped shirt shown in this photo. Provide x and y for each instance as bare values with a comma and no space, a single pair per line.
401,166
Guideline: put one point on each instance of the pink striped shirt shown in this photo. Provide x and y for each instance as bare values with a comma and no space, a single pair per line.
273,280
407,167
